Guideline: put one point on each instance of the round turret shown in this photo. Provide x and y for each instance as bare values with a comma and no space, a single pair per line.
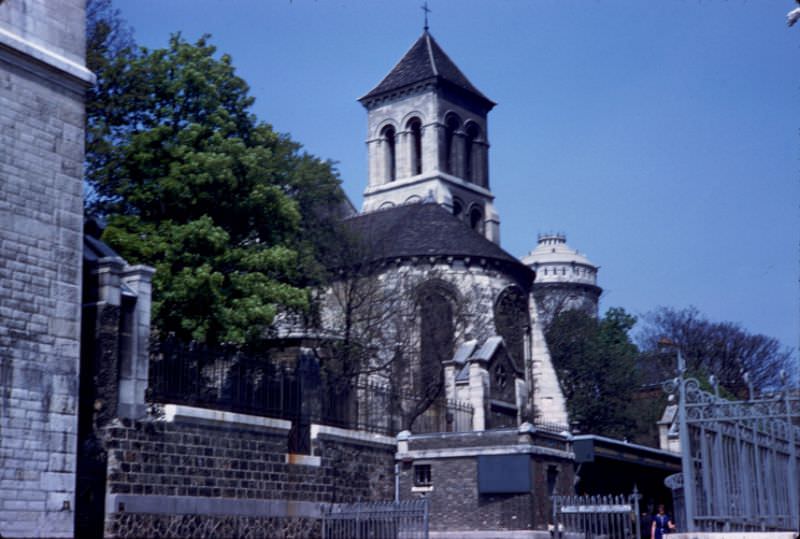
565,278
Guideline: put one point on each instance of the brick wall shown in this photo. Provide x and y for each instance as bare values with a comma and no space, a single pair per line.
455,502
41,216
214,471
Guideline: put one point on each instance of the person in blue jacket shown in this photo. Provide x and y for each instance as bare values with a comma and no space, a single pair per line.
662,524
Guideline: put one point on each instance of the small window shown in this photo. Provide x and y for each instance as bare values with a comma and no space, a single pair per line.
415,128
422,475
458,207
388,135
451,124
476,220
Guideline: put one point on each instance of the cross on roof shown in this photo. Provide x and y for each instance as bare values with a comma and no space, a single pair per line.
427,10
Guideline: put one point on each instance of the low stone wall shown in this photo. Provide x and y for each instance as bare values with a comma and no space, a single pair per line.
200,473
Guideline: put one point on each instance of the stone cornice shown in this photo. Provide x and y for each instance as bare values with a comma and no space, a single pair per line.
33,57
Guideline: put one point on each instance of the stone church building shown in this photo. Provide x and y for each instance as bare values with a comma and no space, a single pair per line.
431,232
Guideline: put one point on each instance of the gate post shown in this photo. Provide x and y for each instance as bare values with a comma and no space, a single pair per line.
689,483
793,485
636,516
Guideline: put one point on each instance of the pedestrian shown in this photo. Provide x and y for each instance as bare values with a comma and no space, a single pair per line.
662,524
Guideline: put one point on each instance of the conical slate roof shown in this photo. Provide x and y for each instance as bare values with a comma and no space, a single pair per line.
425,61
424,230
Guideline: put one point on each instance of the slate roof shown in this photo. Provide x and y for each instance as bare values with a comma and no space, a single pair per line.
425,61
424,229
93,248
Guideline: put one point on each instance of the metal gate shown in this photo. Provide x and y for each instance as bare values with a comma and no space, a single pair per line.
610,517
739,459
376,520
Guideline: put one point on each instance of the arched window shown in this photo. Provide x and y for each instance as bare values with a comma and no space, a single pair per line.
471,170
388,136
436,331
511,321
476,219
415,130
458,207
451,125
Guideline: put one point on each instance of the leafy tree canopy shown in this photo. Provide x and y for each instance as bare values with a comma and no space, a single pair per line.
595,361
234,216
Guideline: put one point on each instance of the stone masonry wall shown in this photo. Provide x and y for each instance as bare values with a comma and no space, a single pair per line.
56,25
41,219
235,481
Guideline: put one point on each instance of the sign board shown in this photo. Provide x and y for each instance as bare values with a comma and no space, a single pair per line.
617,508
504,474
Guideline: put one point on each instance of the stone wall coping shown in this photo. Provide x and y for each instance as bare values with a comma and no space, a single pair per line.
304,460
351,435
471,433
139,270
490,534
199,505
179,413
462,452
45,56
734,535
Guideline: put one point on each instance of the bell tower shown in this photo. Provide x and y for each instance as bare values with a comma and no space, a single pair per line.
427,139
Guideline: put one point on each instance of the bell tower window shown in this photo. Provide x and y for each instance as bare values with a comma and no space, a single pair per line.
471,153
415,131
451,125
389,153
476,219
458,208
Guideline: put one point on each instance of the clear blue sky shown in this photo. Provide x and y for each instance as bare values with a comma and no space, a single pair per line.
661,137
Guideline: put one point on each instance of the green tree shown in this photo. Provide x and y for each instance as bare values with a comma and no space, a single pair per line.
234,216
596,364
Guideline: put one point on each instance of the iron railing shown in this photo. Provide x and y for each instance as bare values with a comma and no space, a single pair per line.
739,459
376,520
227,379
609,516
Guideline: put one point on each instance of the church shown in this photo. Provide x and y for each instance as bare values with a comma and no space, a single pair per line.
463,318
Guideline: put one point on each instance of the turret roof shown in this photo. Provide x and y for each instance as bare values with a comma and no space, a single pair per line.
553,249
425,61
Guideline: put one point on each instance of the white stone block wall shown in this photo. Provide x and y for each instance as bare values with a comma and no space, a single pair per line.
41,220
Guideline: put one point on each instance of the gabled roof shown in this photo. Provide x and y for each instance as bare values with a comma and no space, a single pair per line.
425,61
423,230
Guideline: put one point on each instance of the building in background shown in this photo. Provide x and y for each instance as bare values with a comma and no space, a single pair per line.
42,83
565,278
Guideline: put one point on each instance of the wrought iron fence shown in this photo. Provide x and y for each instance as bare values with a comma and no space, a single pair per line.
376,520
739,459
610,516
228,379
222,378
553,428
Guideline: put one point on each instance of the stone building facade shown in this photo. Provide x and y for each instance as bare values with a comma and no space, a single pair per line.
565,278
42,84
429,236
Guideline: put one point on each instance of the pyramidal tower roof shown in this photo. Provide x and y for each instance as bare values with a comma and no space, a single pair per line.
425,61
